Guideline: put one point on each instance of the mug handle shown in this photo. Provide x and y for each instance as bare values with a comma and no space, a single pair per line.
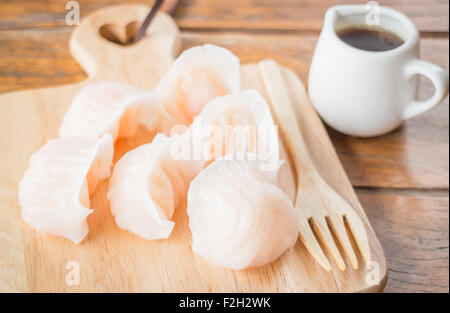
437,76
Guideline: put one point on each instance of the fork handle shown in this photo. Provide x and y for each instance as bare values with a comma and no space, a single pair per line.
285,115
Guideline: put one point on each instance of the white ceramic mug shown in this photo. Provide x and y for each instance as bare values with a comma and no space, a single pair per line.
364,93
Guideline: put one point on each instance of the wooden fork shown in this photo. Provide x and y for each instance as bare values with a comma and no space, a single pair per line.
317,203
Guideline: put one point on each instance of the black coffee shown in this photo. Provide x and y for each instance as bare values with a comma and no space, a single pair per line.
370,39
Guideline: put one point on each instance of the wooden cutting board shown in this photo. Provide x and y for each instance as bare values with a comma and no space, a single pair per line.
111,259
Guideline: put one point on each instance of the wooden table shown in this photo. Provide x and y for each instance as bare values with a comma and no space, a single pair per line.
401,178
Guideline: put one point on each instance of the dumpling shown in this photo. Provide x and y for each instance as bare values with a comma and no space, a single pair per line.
238,124
147,185
160,172
102,108
54,191
238,215
198,75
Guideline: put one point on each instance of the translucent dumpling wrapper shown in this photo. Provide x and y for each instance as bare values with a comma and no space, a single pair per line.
197,76
102,108
150,181
238,215
54,191
147,185
238,124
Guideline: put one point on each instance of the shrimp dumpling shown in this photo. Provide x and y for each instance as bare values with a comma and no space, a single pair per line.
102,108
147,185
238,215
54,191
150,181
238,124
197,76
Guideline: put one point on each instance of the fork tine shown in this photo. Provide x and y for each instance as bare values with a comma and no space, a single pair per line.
358,231
338,227
310,242
325,236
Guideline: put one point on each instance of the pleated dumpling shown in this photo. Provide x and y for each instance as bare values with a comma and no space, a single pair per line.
149,182
147,185
198,75
54,191
102,108
238,215
238,124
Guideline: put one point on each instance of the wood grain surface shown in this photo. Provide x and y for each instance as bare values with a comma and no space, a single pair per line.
401,178
413,230
429,15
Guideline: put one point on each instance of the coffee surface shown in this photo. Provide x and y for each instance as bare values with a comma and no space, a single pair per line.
370,39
